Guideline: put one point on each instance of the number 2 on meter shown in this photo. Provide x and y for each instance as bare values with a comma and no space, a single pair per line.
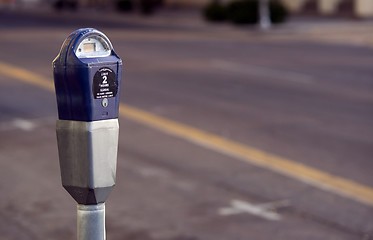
105,78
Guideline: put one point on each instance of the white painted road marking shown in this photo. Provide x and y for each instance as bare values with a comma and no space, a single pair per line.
260,210
24,124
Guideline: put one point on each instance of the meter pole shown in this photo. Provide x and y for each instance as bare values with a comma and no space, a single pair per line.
91,222
264,15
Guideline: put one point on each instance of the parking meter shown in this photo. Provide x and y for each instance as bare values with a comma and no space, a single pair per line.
87,77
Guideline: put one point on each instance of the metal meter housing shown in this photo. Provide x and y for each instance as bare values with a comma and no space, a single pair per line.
87,77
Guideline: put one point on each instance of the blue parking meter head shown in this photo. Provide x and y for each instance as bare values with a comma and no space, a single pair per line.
87,77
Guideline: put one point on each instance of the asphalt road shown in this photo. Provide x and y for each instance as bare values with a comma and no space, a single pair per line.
230,92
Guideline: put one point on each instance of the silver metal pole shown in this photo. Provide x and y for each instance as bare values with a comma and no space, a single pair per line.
264,15
91,222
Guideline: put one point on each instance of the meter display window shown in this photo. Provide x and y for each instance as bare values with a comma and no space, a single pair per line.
89,47
93,46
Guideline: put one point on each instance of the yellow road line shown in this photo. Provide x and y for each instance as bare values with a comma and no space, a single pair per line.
309,175
26,76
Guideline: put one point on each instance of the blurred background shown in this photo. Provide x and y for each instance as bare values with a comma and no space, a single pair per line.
252,126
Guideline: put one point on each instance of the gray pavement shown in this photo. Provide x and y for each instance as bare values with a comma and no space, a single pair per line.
294,93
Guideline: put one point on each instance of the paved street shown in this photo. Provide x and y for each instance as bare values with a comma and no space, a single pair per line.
226,133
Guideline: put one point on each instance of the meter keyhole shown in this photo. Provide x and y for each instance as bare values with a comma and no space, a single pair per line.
105,102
